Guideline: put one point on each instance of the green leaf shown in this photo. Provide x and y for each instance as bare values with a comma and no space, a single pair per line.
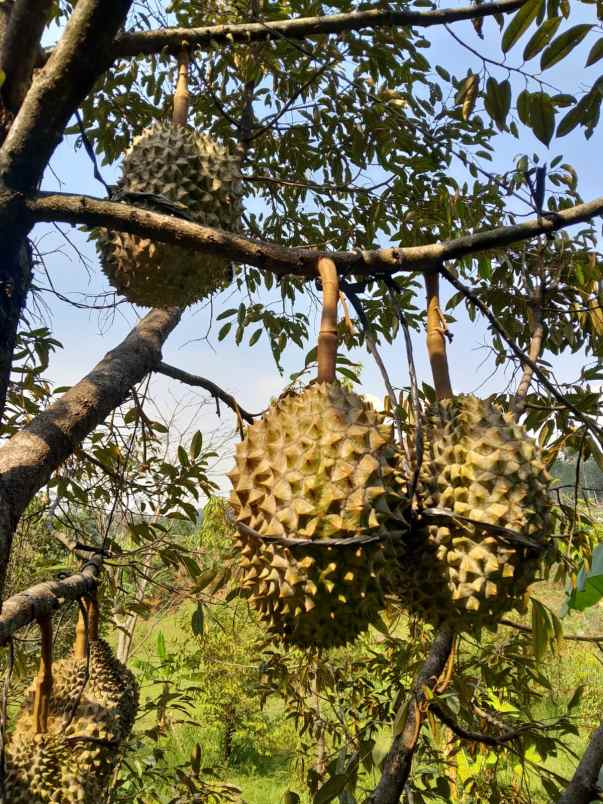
224,331
161,651
542,117
330,789
498,101
541,38
520,23
563,45
196,444
198,620
2,77
255,337
596,52
467,94
291,798
570,121
574,701
540,629
400,719
523,107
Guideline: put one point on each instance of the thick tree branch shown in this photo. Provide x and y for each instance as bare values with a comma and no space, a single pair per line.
140,43
20,48
78,209
29,458
397,764
583,787
44,598
214,390
82,54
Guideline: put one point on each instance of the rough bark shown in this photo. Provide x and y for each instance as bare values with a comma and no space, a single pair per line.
82,54
398,762
583,787
41,600
20,48
28,459
139,43
77,209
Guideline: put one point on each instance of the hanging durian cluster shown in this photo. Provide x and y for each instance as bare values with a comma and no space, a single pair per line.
87,723
319,465
479,464
202,178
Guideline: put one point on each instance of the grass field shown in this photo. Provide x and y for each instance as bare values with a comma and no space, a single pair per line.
262,762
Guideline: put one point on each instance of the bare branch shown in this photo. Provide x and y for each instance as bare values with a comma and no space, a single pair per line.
44,598
595,638
524,359
397,764
29,458
78,209
535,349
20,48
140,43
480,737
583,787
214,390
82,54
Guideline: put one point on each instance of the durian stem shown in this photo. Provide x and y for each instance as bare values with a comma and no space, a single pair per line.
43,684
327,338
436,339
93,618
80,648
181,96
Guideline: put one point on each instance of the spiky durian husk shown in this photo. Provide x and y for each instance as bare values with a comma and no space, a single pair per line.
479,464
74,760
189,169
319,465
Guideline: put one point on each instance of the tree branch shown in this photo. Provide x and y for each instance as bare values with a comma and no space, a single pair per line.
589,423
82,54
20,48
214,390
29,458
595,638
535,348
44,598
583,787
141,43
397,763
477,736
81,209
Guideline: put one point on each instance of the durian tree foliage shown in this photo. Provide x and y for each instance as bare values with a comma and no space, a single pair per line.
356,143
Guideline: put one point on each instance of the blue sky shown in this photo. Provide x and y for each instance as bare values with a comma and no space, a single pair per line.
250,373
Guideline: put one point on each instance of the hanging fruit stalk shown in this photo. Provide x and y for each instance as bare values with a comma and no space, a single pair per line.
436,338
181,96
43,683
327,338
80,648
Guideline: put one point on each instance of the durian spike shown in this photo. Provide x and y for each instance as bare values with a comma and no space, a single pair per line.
181,96
43,683
327,338
436,337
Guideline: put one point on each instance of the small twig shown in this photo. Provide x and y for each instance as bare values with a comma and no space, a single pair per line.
90,151
519,354
595,638
214,390
479,737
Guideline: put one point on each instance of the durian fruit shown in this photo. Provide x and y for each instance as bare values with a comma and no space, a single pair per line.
481,465
87,723
202,178
319,465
